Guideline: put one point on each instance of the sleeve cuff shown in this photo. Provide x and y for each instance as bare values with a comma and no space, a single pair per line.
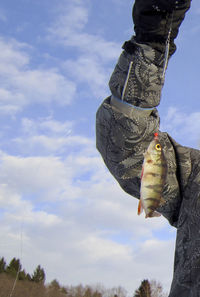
130,110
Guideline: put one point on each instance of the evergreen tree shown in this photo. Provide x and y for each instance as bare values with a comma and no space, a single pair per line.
64,290
144,289
38,275
2,265
54,284
14,267
22,275
28,277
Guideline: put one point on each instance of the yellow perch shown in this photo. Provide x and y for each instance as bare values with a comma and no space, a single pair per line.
153,178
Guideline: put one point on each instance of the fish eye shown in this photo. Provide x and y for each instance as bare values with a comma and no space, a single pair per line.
158,147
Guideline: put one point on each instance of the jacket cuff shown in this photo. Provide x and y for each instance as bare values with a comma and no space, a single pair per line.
130,110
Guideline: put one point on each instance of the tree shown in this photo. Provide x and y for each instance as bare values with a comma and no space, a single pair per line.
78,291
96,294
38,275
28,277
118,292
144,290
55,284
2,265
88,292
14,267
22,275
64,291
156,289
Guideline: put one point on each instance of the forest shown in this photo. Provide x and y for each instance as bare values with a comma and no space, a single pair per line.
15,282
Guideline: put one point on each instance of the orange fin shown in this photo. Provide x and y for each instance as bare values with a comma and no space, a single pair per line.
140,208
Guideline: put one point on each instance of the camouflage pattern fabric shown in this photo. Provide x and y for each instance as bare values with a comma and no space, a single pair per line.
125,125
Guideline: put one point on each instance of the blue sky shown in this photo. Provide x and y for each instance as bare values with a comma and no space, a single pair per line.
56,58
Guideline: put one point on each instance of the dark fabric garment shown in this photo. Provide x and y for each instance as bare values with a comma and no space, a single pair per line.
124,129
152,20
145,69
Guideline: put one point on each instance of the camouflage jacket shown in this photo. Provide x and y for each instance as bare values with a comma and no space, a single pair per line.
125,125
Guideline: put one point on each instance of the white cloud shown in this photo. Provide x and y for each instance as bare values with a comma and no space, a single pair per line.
42,178
49,144
101,249
97,235
180,124
46,136
69,30
88,70
13,55
91,67
47,126
21,85
44,86
40,219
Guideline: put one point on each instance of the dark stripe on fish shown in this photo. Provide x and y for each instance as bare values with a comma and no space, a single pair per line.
152,199
151,173
162,176
151,207
157,188
160,165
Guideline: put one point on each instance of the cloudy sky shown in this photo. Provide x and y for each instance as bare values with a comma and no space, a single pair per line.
60,207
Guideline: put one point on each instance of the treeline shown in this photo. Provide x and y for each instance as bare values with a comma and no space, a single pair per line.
150,289
14,269
15,282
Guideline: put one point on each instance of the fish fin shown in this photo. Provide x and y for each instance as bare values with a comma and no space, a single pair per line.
142,172
154,214
140,208
162,201
156,135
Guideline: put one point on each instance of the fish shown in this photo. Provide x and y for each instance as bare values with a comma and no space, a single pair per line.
153,177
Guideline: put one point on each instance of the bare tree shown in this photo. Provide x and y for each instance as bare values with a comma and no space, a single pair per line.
157,289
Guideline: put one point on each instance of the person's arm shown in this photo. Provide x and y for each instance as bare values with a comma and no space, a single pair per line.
127,120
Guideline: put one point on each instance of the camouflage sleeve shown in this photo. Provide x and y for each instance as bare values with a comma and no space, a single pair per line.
126,121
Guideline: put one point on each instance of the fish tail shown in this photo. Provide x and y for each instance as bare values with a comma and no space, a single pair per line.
140,208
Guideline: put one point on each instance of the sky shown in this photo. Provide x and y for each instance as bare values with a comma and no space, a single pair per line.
59,205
